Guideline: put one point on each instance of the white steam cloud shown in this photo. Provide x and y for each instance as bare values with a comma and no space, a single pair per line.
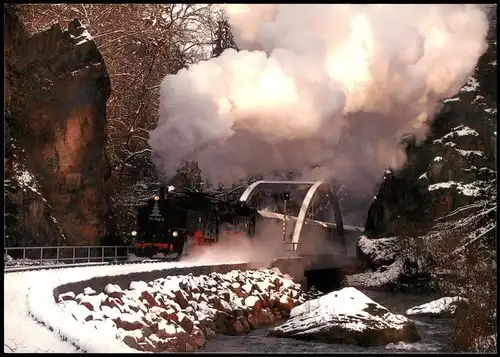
334,86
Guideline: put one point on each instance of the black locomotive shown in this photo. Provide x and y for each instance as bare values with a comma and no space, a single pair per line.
169,220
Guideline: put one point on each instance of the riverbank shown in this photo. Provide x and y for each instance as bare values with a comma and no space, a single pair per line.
435,333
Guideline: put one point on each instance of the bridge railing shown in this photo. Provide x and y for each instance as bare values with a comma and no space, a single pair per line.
56,255
65,254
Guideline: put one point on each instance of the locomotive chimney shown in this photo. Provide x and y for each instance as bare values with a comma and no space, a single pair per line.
163,192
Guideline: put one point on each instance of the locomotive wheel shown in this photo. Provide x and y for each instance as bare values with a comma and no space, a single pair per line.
179,249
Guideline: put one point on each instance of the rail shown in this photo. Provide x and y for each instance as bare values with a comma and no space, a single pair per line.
55,255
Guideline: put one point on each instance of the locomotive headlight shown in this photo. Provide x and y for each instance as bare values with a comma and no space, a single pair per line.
157,198
175,233
134,233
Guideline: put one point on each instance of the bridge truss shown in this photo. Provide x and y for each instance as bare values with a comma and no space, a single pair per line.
315,192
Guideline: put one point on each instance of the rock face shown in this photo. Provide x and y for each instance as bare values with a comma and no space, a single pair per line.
447,177
56,91
178,314
346,316
455,163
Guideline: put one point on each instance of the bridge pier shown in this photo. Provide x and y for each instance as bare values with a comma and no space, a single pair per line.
294,266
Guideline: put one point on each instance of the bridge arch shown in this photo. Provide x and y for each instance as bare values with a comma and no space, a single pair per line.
313,191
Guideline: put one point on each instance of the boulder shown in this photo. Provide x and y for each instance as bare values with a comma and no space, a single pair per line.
89,291
129,322
139,286
148,346
346,316
253,322
237,326
375,253
198,337
185,322
223,323
66,296
181,298
444,307
145,295
285,303
132,342
254,302
439,170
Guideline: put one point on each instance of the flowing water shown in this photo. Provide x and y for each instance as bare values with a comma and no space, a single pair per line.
435,333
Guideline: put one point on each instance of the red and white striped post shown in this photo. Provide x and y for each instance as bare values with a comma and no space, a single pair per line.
284,229
285,197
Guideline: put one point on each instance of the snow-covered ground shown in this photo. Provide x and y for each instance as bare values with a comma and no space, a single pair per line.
28,298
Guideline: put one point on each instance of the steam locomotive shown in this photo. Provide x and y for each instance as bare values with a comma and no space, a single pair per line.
169,220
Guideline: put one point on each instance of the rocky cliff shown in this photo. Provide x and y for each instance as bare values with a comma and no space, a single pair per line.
447,189
56,87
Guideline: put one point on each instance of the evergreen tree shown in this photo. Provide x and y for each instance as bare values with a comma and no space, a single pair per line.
224,38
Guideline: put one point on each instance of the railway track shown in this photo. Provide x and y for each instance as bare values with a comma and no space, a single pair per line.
25,268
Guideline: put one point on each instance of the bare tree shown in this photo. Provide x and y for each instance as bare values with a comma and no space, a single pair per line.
141,44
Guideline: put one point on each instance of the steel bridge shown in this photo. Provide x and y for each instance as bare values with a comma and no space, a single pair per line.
308,195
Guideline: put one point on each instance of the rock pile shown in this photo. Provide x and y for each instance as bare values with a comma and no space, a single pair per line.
179,313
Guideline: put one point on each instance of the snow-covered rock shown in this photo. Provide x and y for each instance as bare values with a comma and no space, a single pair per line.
180,313
379,252
446,306
347,316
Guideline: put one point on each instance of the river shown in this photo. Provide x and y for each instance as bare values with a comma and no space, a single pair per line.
435,333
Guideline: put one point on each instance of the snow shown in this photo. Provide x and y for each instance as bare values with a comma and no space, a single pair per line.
471,85
470,189
378,278
440,185
445,305
412,347
36,321
347,310
438,158
492,111
462,130
459,131
469,152
456,99
486,344
83,38
380,250
25,179
423,176
111,288
23,334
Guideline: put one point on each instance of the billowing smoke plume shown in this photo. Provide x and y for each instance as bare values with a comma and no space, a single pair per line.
328,86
